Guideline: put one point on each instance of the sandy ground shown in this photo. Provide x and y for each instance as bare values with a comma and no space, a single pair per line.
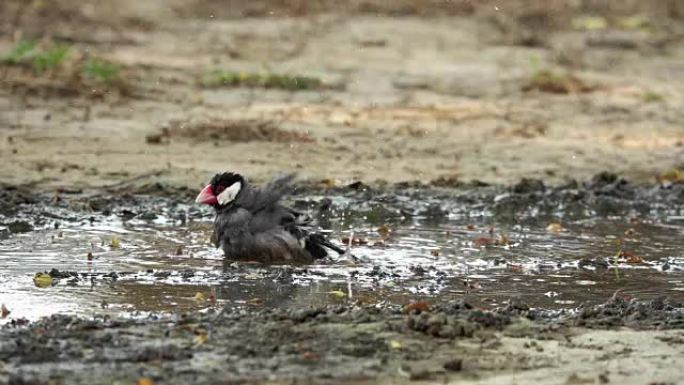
415,98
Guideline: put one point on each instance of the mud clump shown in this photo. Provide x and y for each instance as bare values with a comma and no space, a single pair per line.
13,196
440,325
659,313
454,319
241,130
557,83
528,186
19,227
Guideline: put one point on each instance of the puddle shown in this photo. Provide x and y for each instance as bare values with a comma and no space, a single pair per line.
155,256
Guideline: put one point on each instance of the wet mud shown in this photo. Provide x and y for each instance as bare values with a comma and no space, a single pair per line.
461,282
346,343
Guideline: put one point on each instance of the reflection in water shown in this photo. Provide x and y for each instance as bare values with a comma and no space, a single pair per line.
436,253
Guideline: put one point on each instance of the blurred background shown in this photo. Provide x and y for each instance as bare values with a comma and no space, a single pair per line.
100,92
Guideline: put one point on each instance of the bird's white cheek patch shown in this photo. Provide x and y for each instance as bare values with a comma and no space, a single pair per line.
226,196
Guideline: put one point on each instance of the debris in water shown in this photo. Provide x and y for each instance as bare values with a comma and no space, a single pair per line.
384,231
255,302
419,306
212,296
503,240
554,227
201,337
337,293
630,257
307,355
42,280
483,241
4,312
145,381
115,243
355,241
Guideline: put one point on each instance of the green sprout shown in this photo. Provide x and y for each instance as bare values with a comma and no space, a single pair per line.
50,59
651,97
101,70
21,51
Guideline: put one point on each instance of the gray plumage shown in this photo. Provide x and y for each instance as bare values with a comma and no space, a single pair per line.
256,227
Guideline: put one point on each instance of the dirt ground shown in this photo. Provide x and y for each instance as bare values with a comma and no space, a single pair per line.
416,96
408,91
452,343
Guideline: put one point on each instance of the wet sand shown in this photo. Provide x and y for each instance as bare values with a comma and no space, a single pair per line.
410,98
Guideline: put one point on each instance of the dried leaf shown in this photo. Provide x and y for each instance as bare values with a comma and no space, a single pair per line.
515,268
337,293
394,344
503,240
675,175
115,243
329,182
355,241
199,297
309,355
145,381
212,296
554,227
630,257
200,339
89,256
42,280
4,312
201,336
255,301
482,241
384,231
471,227
419,306
434,253
179,250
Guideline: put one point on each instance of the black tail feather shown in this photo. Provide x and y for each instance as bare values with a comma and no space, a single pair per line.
316,244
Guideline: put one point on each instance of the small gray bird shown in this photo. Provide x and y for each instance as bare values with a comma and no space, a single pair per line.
251,224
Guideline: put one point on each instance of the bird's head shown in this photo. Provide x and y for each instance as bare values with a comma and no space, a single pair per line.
221,190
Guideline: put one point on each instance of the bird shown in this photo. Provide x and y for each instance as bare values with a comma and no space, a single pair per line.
252,225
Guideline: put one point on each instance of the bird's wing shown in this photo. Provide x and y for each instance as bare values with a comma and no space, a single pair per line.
256,199
244,235
275,217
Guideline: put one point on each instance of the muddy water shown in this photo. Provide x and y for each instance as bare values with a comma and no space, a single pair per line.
155,256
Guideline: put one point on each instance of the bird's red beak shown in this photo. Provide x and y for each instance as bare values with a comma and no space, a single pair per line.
206,196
